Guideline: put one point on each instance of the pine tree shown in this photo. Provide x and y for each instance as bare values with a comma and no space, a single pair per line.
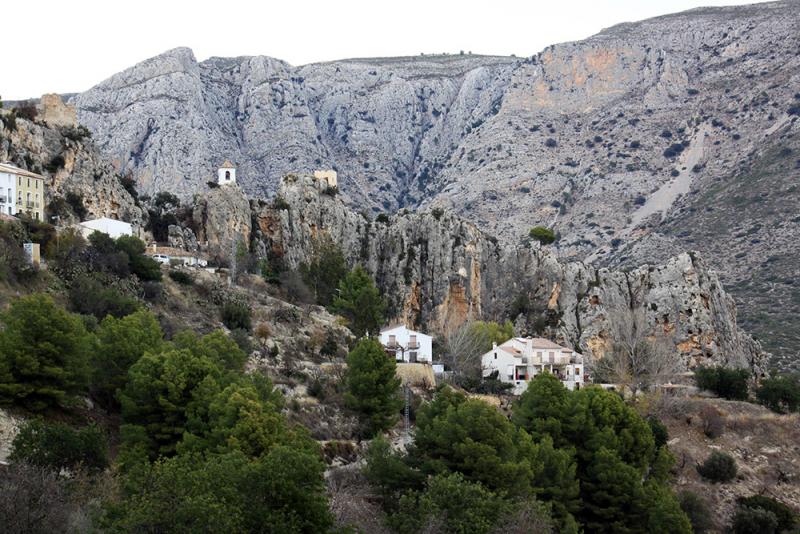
372,384
360,303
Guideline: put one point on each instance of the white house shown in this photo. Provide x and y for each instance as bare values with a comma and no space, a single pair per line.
407,345
108,226
520,359
226,174
8,191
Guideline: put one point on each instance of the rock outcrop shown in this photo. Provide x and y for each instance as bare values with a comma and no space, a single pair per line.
437,269
649,130
70,163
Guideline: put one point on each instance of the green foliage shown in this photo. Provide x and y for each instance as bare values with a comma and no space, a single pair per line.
57,446
162,391
491,332
390,471
727,383
44,354
550,143
437,213
145,267
236,316
779,394
696,509
718,467
89,296
786,517
14,266
216,346
325,270
242,339
121,342
659,430
462,506
75,202
372,385
748,520
282,492
181,277
543,235
360,302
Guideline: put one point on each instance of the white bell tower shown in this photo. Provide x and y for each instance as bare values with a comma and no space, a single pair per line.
226,174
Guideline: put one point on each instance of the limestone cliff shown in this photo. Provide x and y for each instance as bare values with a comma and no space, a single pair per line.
643,141
70,163
436,268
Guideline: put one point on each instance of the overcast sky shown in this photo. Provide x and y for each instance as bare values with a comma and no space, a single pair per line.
57,46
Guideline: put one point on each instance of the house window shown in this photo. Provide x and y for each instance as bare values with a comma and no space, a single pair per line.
29,182
20,181
37,215
392,341
495,355
227,175
577,371
539,354
37,184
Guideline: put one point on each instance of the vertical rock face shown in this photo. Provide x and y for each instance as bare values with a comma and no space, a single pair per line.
223,211
436,269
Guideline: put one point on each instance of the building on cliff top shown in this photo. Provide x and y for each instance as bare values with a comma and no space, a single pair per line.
24,186
226,174
520,359
329,177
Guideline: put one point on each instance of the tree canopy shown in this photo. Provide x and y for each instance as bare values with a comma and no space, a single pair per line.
543,235
360,302
44,354
372,385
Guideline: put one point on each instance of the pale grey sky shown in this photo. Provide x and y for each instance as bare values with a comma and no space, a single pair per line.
60,47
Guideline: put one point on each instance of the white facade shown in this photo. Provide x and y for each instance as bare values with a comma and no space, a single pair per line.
519,360
407,345
8,192
226,174
108,226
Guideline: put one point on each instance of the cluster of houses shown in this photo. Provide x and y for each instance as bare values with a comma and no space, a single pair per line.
517,361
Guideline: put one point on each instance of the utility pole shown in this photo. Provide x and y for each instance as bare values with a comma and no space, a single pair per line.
233,258
405,438
58,236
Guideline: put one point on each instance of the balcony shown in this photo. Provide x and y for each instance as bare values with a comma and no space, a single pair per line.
29,204
413,345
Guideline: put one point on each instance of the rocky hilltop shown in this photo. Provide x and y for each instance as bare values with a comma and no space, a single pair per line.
437,269
80,183
643,141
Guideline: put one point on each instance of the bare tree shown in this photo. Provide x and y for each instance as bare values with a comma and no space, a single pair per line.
640,359
463,347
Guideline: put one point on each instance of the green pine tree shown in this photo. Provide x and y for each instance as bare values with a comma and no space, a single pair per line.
360,302
372,384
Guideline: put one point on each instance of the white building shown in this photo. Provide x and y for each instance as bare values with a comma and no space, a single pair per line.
519,360
226,174
8,191
407,345
108,226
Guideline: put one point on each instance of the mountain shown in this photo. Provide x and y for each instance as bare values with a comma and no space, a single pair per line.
641,142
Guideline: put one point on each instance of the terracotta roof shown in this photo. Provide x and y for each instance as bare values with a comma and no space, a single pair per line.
510,350
227,165
540,343
5,167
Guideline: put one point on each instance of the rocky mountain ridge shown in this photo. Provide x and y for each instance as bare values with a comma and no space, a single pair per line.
436,270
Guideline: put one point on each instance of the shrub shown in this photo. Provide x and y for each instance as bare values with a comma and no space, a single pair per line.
550,143
242,339
696,509
639,201
786,517
437,213
180,277
779,394
748,520
713,422
10,122
674,173
88,297
660,432
27,110
57,446
666,134
382,218
543,235
55,164
33,500
235,315
718,467
730,384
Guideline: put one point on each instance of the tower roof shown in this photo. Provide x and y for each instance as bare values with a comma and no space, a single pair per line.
227,165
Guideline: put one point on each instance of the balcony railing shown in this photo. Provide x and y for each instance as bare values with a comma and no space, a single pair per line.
29,203
413,345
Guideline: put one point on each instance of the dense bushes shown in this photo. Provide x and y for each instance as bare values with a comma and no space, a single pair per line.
718,467
57,446
235,316
727,383
779,394
44,354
